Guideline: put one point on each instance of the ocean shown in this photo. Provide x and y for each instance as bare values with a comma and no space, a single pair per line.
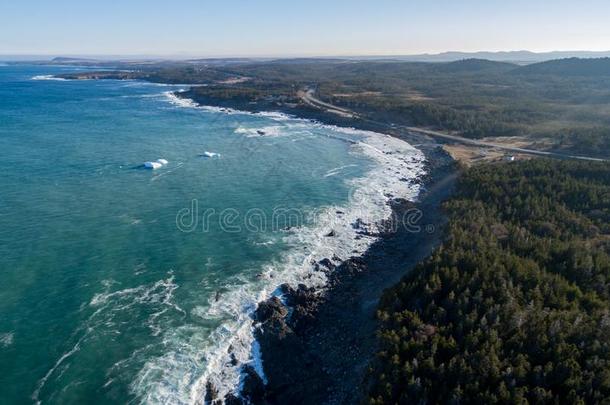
125,284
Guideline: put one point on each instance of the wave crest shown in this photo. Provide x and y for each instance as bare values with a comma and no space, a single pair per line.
180,375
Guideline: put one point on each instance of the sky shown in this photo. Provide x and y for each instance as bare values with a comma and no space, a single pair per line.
299,28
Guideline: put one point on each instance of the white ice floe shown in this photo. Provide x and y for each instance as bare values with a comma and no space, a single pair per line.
156,164
152,165
210,154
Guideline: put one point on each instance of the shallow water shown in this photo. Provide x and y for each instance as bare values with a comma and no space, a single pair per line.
126,284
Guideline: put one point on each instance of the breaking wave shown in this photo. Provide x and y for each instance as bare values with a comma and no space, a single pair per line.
48,77
196,358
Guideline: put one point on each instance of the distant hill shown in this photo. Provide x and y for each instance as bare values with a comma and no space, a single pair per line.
568,67
474,65
61,59
521,57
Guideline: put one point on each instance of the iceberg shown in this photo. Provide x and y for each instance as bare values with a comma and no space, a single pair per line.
152,165
156,164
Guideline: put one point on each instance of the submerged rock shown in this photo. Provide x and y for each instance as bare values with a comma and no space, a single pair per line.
211,394
327,263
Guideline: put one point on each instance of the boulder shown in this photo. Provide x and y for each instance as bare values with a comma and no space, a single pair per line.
253,388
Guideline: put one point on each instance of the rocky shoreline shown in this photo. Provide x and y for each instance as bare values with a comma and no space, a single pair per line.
290,106
316,346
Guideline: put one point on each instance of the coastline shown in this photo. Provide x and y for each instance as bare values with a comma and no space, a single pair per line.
316,346
316,349
353,310
296,109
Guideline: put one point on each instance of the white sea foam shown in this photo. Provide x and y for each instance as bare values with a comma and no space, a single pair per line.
156,299
141,83
337,170
59,362
270,131
189,103
181,374
264,243
276,116
153,95
48,77
179,101
6,339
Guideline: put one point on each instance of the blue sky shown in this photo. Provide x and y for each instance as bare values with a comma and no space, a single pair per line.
299,28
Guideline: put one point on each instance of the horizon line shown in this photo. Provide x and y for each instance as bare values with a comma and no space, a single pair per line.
187,55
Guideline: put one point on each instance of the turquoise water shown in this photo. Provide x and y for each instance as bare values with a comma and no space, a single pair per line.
104,298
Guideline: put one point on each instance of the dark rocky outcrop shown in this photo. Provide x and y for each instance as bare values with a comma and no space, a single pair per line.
327,263
253,388
291,372
232,399
211,395
270,310
316,345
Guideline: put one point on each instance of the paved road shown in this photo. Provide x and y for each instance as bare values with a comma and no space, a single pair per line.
309,98
475,142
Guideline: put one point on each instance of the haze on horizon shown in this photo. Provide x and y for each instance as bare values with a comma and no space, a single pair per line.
312,28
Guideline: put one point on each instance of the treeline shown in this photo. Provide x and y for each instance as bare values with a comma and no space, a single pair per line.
471,123
585,140
569,67
557,101
479,99
251,97
514,307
